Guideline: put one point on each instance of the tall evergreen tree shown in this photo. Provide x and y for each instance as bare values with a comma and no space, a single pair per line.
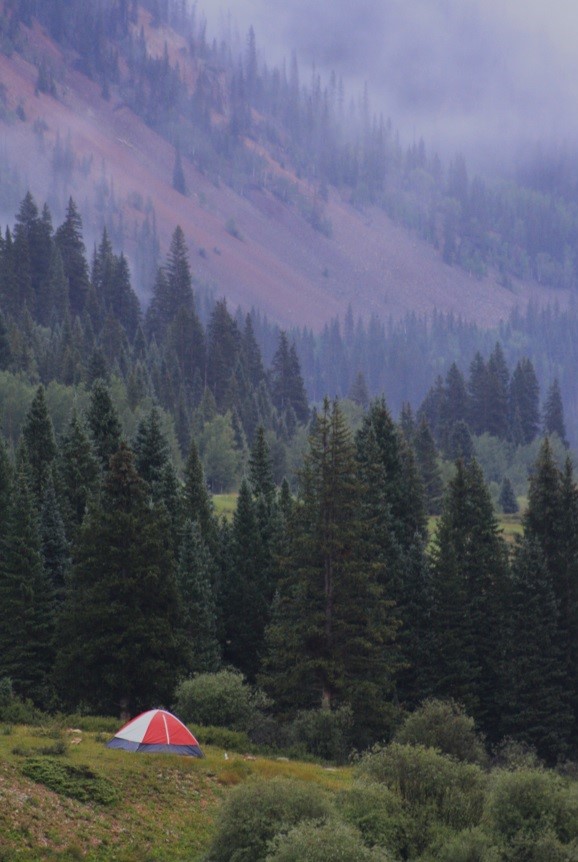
196,580
123,591
244,592
197,503
38,435
536,710
103,423
26,600
554,413
330,637
76,475
69,240
54,547
524,403
469,566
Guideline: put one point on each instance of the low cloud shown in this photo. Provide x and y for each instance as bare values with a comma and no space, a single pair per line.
486,76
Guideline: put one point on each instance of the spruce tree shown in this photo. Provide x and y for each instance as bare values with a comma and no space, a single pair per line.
197,504
536,710
196,579
54,547
469,569
26,600
244,594
123,592
554,413
38,435
77,475
426,457
70,243
103,423
329,642
524,403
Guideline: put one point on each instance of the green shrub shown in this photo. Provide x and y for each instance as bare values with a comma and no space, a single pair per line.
323,733
432,785
220,699
532,803
471,845
253,813
329,841
379,815
443,724
230,740
77,782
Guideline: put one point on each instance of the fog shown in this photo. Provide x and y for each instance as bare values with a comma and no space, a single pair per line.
489,77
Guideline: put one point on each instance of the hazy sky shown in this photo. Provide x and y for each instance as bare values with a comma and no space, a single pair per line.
461,72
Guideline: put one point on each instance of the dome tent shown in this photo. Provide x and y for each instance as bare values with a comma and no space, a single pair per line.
157,732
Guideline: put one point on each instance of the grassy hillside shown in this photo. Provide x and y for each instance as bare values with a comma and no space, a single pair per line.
137,807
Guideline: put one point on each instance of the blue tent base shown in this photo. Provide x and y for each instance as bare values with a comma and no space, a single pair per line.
156,748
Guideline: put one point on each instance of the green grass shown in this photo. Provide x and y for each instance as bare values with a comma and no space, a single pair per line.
99,804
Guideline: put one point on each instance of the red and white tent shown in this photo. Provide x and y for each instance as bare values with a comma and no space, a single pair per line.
156,731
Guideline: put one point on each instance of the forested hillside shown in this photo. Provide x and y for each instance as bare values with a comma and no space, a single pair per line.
328,594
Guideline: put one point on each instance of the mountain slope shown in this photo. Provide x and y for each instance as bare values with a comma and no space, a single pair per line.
249,244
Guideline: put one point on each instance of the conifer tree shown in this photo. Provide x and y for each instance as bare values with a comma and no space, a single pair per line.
77,475
26,600
244,590
103,423
329,642
426,457
469,568
507,499
123,591
38,435
498,380
69,239
54,547
197,504
536,710
524,403
554,413
196,579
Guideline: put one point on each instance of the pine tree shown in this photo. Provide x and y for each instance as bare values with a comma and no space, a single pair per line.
524,403
26,600
507,499
554,413
426,457
123,591
195,579
197,504
77,475
287,388
469,567
244,592
478,388
536,710
38,435
69,240
54,548
330,637
498,380
223,351
103,423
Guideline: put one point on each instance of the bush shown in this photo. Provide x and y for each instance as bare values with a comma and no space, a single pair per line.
472,845
77,782
443,724
532,803
230,740
255,812
323,842
433,786
379,815
324,733
220,699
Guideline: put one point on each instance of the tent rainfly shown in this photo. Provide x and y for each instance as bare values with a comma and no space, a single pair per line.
158,732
